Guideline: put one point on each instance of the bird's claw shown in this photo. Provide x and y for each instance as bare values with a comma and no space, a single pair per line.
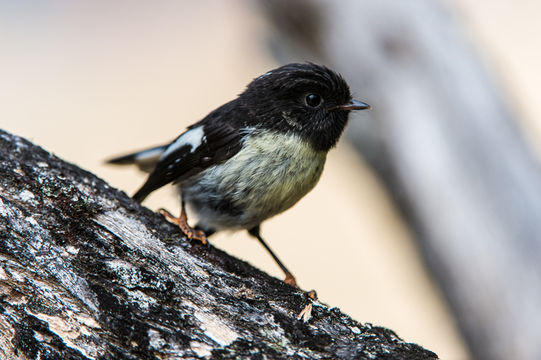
312,294
193,234
182,223
290,279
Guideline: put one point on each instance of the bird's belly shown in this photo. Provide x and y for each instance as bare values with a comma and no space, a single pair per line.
257,183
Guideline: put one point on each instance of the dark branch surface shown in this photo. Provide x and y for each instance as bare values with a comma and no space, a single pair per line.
87,273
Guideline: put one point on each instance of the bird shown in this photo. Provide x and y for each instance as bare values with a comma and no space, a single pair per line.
253,157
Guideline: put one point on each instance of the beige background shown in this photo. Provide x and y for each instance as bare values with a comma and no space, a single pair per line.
88,80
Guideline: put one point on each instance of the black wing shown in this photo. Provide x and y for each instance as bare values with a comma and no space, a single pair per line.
206,143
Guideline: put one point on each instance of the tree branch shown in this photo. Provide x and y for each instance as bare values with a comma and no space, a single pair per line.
87,273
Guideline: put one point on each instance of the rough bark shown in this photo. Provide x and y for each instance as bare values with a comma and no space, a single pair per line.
87,273
444,142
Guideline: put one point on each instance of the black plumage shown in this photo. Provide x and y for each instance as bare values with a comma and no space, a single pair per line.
257,155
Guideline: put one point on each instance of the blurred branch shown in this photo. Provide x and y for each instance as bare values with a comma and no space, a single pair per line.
448,149
87,273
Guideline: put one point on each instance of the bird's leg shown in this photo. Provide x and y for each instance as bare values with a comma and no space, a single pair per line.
182,223
290,279
311,296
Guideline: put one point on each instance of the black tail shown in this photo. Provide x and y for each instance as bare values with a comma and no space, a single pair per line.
123,160
146,159
154,181
141,194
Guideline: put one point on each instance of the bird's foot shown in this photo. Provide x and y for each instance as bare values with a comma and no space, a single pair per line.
290,279
311,294
182,223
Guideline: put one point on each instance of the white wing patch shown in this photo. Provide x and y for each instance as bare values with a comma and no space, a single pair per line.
150,154
193,138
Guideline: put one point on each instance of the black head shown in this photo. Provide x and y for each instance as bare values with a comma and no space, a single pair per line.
307,99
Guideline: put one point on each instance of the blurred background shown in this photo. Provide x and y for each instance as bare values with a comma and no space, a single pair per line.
426,219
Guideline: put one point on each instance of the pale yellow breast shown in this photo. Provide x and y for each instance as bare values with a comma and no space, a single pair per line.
267,176
284,167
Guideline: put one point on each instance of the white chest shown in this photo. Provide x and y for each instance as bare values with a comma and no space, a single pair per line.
269,175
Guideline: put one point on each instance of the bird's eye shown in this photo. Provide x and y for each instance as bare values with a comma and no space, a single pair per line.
313,100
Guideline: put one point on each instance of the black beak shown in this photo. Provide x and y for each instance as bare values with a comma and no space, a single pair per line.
351,105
